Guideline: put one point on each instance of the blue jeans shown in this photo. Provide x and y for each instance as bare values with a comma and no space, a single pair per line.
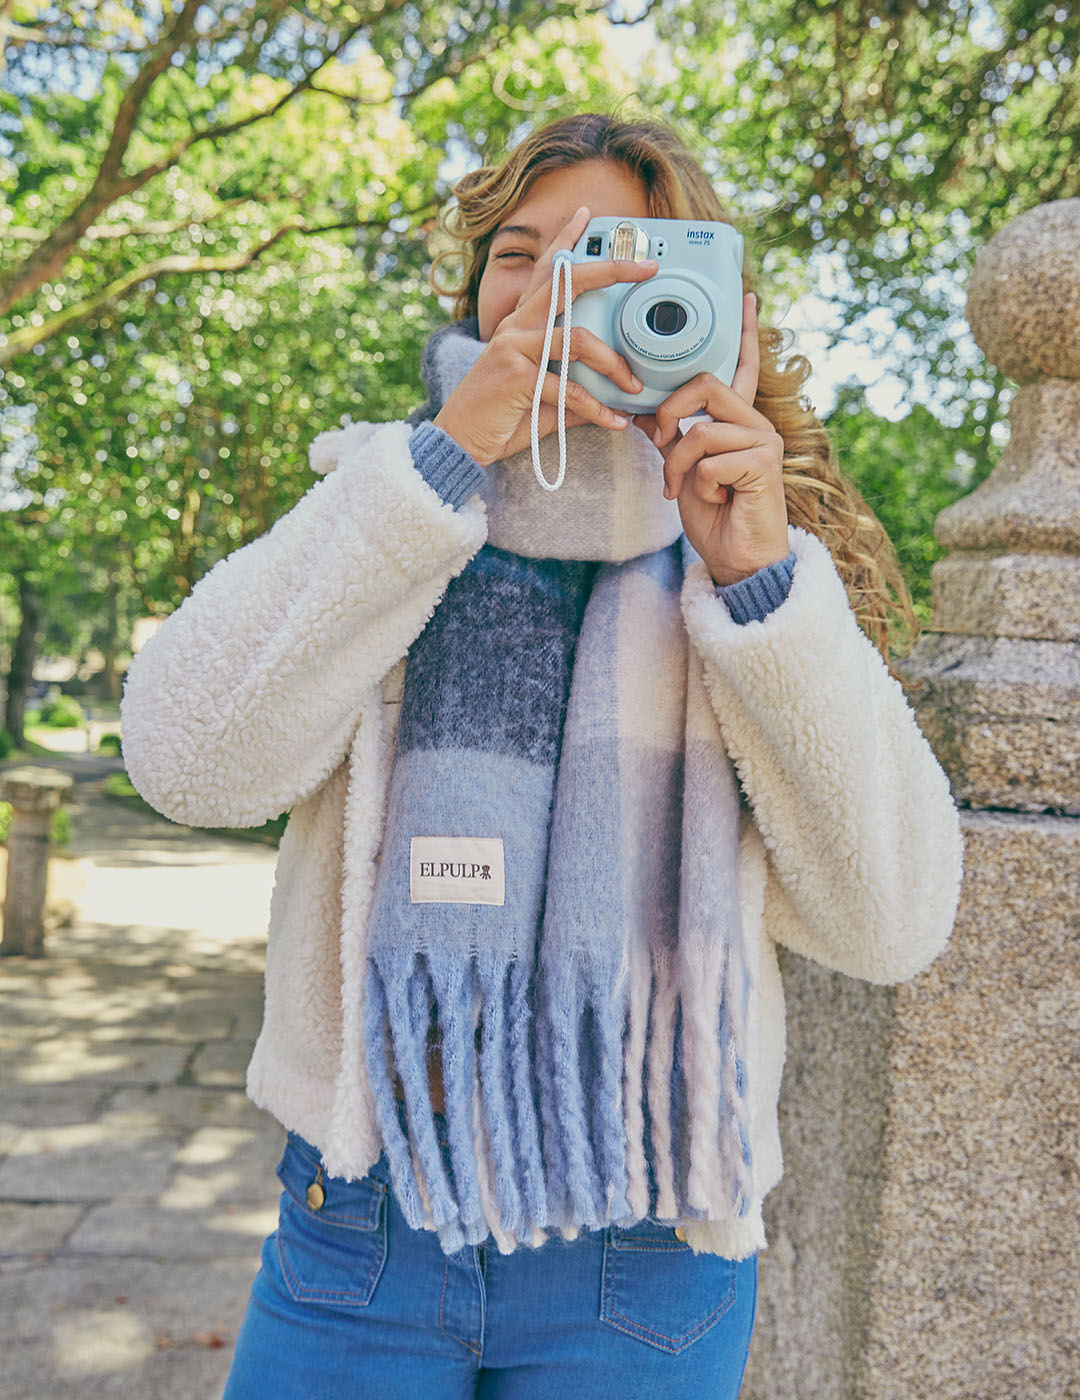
351,1303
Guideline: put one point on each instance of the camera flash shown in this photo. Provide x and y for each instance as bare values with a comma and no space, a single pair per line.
629,243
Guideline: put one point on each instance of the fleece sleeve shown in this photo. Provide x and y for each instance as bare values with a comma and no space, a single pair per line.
246,699
863,837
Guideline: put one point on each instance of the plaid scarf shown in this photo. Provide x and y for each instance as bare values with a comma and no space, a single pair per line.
593,1023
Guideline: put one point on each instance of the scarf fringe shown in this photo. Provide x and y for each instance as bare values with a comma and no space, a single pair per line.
566,1118
584,1022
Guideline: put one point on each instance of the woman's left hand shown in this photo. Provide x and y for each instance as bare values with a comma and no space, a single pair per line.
725,474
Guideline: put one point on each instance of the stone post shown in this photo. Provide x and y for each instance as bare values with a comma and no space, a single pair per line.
924,1243
34,794
974,1287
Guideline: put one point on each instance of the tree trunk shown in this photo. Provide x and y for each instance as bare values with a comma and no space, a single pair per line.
113,683
23,654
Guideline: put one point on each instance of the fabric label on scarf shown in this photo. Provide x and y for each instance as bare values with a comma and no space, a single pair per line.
456,870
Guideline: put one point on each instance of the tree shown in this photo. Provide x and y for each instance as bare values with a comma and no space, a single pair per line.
908,470
156,174
882,144
169,424
214,226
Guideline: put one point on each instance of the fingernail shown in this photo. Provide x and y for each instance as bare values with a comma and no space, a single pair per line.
656,437
636,384
621,419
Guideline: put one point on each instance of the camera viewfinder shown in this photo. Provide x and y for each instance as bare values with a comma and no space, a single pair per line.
594,246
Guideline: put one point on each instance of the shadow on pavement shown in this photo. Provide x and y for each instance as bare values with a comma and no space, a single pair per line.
136,1179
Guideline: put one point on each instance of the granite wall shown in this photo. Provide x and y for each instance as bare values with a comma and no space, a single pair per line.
925,1241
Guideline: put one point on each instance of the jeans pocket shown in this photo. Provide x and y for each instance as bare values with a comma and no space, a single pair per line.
658,1290
331,1253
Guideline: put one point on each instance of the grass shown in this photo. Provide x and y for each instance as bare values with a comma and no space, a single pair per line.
119,785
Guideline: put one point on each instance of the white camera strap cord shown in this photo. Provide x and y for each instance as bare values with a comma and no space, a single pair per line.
563,261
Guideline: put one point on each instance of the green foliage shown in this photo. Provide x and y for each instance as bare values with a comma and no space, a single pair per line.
62,713
270,124
171,426
878,146
60,827
907,470
109,743
119,785
255,270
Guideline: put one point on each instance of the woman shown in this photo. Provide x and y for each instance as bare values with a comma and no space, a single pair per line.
563,770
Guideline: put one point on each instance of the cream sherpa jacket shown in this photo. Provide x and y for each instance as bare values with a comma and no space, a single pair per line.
276,685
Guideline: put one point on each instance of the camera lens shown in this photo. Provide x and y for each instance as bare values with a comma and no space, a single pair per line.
665,318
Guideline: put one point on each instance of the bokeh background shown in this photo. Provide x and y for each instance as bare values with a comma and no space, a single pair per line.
216,221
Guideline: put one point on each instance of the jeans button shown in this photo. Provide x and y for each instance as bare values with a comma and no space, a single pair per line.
315,1193
680,1233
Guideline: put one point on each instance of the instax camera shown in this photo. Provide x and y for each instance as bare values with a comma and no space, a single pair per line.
684,320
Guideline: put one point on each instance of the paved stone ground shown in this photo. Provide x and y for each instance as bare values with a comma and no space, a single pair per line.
136,1180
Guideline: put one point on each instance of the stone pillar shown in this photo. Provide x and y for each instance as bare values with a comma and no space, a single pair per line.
977,1253
925,1240
34,794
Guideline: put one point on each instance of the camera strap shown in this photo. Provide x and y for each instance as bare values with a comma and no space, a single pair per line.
562,262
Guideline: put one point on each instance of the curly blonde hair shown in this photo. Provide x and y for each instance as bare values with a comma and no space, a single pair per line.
819,497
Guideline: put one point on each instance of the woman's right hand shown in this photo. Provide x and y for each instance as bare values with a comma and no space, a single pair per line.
489,413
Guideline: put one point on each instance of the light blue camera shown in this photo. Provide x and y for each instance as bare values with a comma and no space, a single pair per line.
684,320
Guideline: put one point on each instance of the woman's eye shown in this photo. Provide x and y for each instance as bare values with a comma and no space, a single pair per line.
499,256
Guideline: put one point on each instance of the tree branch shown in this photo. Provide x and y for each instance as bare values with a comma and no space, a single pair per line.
50,257
216,133
52,254
270,18
351,98
25,34
25,339
451,70
109,185
154,229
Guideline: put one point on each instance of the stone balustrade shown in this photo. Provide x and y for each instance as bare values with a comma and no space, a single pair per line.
925,1240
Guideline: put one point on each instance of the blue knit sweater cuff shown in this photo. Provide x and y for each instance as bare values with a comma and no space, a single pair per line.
446,467
753,599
